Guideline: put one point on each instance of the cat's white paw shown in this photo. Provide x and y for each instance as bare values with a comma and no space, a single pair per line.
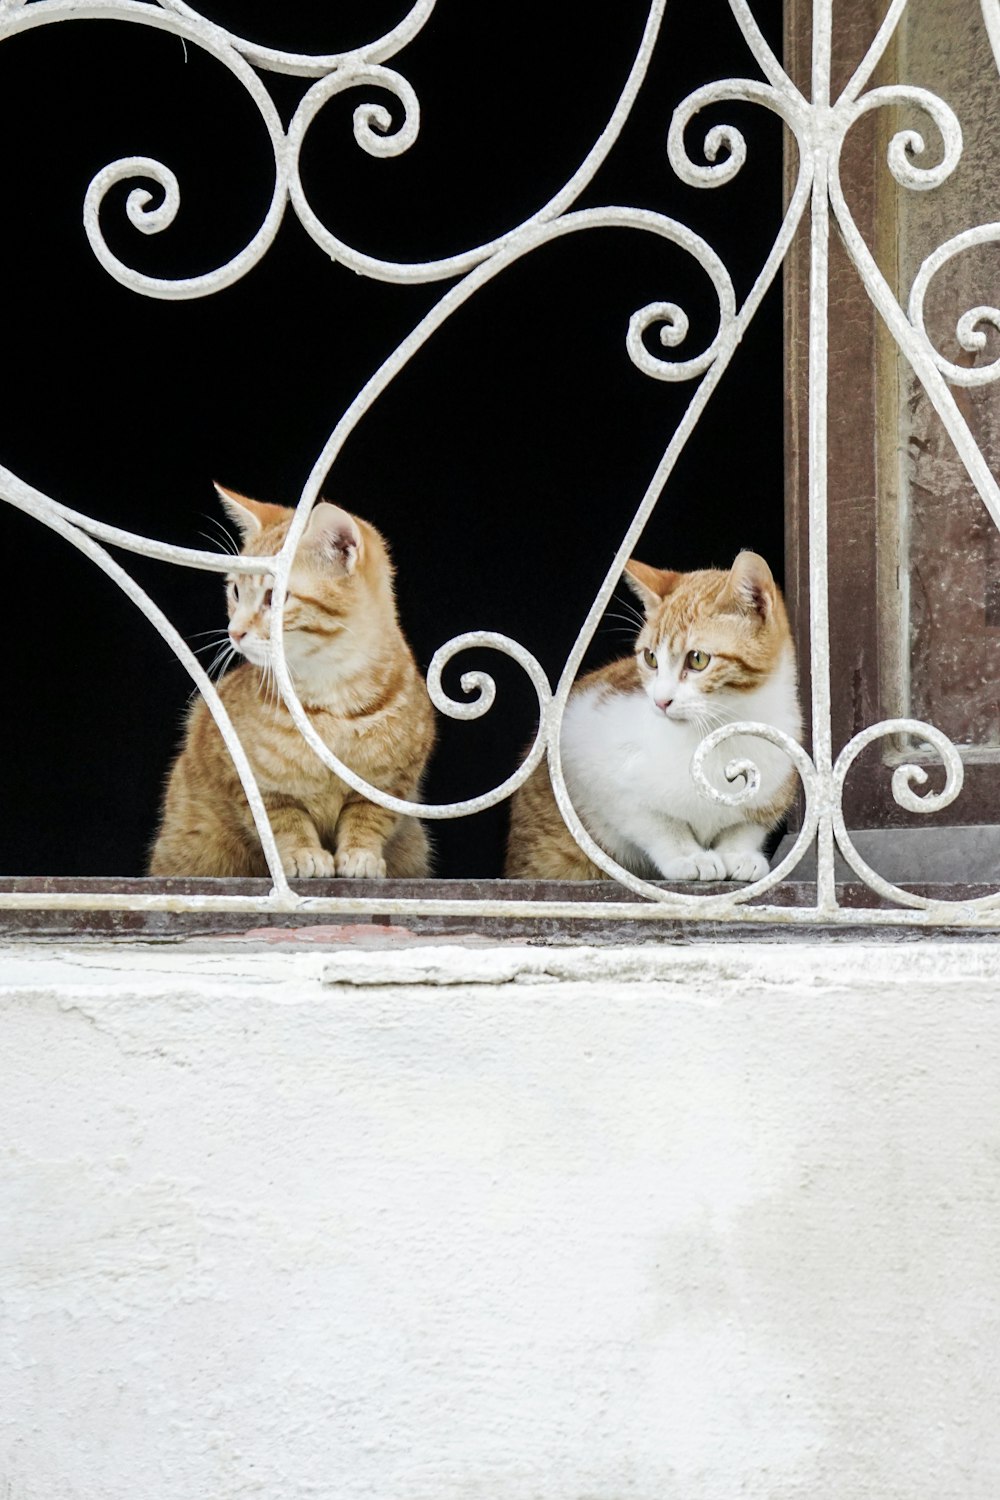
746,865
308,862
360,864
705,865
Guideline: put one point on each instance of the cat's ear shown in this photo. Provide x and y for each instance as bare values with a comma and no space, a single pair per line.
651,585
251,516
750,586
335,534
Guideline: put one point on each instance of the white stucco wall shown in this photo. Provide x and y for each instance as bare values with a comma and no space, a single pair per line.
729,1230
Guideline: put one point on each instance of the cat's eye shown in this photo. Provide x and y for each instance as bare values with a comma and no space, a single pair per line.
236,590
697,660
267,599
649,657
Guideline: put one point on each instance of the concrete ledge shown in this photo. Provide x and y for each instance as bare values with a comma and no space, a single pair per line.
447,1221
207,967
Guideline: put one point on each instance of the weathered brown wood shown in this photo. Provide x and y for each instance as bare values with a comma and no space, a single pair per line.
951,541
796,405
853,509
874,406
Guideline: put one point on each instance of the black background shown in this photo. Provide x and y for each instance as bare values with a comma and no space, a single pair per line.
503,465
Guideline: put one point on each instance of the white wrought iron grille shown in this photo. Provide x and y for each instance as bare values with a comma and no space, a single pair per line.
818,125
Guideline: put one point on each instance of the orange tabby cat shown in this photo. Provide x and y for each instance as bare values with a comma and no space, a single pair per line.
357,680
715,647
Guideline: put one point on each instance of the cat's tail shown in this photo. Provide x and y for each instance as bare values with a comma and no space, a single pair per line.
408,852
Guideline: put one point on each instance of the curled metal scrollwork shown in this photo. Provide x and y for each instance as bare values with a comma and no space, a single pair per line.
145,215
372,130
151,218
742,768
907,145
971,326
745,771
674,327
726,141
373,127
479,683
904,779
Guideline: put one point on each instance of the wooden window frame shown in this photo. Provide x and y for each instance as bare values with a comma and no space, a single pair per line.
867,650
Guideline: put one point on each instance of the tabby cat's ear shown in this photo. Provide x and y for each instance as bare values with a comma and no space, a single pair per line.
750,586
651,585
335,534
251,516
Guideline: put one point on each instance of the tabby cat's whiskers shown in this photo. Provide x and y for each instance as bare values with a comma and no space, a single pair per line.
362,692
222,539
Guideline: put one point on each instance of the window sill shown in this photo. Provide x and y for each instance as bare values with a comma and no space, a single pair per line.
140,909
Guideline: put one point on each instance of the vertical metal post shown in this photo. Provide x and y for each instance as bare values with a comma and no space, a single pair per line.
819,610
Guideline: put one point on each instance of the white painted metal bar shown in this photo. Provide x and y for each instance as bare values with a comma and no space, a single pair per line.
819,564
818,126
945,914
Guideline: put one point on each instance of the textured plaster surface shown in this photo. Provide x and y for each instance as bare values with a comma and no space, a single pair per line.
511,1224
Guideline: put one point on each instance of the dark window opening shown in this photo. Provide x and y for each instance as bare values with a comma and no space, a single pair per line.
503,465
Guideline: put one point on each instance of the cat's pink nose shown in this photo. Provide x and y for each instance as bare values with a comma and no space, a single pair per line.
236,635
664,703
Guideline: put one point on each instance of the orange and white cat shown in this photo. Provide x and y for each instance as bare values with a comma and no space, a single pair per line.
359,684
714,648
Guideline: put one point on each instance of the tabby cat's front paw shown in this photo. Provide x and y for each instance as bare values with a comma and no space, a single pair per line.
747,865
308,862
704,865
360,864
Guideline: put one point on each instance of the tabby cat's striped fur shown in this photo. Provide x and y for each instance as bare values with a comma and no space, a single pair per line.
357,680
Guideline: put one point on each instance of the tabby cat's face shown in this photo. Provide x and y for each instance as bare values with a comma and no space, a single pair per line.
313,615
337,588
710,638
